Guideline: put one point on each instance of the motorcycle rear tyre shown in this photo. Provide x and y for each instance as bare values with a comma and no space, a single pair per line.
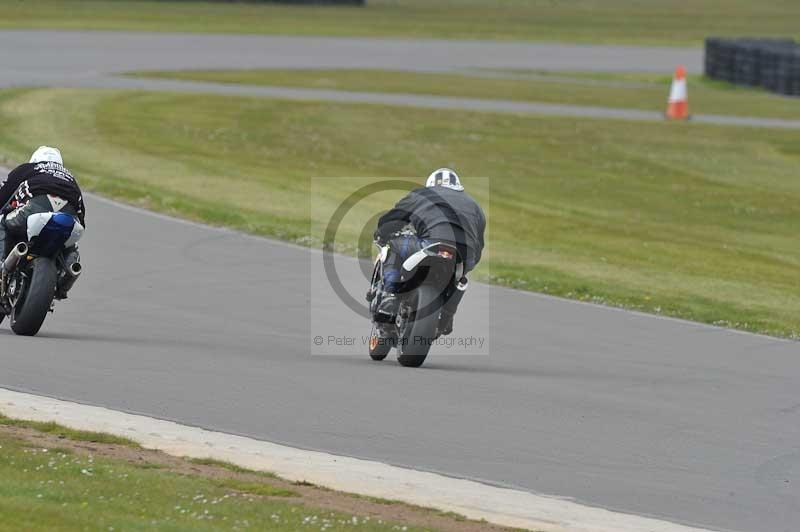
419,335
29,313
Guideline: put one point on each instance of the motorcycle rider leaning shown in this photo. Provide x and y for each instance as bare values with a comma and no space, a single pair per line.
41,185
439,212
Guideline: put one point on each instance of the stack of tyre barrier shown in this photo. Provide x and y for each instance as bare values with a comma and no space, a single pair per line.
773,64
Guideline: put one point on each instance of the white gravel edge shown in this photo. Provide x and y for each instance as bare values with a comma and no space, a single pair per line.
475,500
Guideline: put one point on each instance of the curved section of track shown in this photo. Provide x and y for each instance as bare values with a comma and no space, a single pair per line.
208,327
93,60
87,53
626,411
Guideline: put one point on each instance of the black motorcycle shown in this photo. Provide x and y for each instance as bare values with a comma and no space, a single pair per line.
426,278
40,270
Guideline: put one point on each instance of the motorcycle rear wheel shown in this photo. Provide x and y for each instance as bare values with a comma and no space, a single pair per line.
419,334
29,313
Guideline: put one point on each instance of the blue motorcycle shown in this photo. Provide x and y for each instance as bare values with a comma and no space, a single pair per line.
39,271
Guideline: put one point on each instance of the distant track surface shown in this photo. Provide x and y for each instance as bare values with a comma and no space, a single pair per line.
93,60
209,327
83,54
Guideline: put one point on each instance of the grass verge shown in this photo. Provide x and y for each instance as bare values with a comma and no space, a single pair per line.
67,433
59,480
687,220
625,91
677,22
227,465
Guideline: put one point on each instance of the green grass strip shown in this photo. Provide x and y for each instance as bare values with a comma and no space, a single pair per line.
677,22
685,220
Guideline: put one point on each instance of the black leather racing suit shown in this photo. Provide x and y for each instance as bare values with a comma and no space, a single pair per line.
438,214
36,187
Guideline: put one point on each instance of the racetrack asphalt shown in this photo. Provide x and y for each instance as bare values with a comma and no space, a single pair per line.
626,411
94,60
636,413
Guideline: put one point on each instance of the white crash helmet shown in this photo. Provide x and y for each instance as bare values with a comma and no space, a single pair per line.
444,177
47,154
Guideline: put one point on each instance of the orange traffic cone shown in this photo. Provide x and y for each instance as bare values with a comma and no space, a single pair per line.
678,103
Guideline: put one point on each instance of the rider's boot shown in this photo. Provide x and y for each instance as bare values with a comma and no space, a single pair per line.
3,250
451,306
3,232
446,323
389,305
71,256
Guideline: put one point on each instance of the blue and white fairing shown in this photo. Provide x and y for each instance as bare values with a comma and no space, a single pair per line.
49,232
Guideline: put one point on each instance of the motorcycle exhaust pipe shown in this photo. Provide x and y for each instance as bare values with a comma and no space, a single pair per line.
73,271
19,251
463,284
